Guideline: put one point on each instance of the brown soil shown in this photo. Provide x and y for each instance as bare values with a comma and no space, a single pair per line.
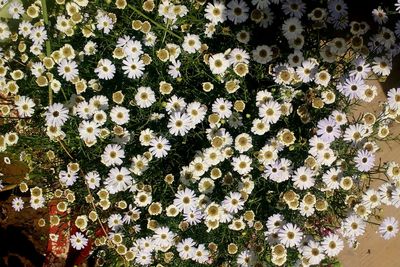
22,242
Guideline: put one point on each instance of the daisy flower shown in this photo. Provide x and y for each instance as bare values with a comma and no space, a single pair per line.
218,63
242,164
353,226
56,115
133,49
237,11
92,179
261,4
270,111
115,221
303,178
233,203
294,8
389,228
159,147
139,164
246,257
216,12
88,130
222,107
118,180
185,248
119,115
145,97
381,66
133,67
394,98
355,133
331,178
38,35
290,235
105,69
353,87
185,200
68,69
307,70
292,28
260,126
68,178
191,43
16,9
84,110
112,155
371,199
163,237
25,106
17,204
179,123
196,111
143,257
193,217
364,160
328,130
332,245
379,15
313,252
104,23
78,241
361,68
243,142
262,54
173,69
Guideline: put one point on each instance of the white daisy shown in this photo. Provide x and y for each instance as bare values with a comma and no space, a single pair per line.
25,106
389,228
133,67
179,123
332,245
112,155
88,131
119,115
159,147
133,49
68,69
222,107
216,12
78,241
105,69
242,164
92,179
303,178
145,97
185,248
290,235
237,11
56,115
104,23
118,180
191,43
233,203
196,111
17,204
218,63
313,252
270,111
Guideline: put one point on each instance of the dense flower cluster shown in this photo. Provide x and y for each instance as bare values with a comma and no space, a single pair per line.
197,131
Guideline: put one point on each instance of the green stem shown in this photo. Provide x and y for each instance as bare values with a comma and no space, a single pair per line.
48,44
153,21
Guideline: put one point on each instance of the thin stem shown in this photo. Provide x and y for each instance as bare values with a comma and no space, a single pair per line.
153,21
48,44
